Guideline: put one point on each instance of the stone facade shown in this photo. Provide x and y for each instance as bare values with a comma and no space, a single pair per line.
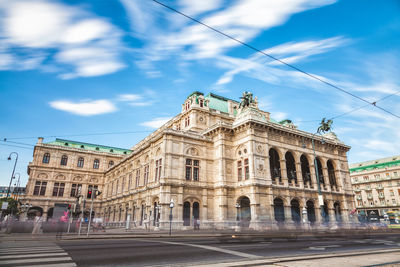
376,185
57,172
222,164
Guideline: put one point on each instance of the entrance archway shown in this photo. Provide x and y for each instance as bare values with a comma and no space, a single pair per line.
245,212
279,211
196,210
310,212
295,209
325,213
186,213
338,212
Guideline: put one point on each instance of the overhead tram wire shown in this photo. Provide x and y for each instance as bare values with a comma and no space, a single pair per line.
276,59
353,110
16,146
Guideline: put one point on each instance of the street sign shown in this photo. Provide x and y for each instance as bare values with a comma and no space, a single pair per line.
4,206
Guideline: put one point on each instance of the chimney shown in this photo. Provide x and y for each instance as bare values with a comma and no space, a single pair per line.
40,140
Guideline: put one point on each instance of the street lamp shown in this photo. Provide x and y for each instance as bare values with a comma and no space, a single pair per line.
304,212
237,206
171,206
12,175
16,186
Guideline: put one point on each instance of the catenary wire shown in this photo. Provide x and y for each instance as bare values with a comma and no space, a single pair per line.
277,59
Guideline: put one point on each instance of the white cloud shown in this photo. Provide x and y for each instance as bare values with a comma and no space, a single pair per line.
156,123
243,20
88,108
77,39
129,97
279,116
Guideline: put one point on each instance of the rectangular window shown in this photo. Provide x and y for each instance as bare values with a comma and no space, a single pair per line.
391,193
196,170
123,184
188,173
239,169
366,178
58,189
146,174
75,189
130,181
137,178
43,188
377,176
394,201
246,169
395,174
36,190
159,168
192,170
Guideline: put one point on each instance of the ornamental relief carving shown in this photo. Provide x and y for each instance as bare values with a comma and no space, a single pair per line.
77,178
42,175
60,177
260,149
260,166
94,180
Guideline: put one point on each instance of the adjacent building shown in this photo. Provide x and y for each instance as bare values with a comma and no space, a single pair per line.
15,192
219,162
376,185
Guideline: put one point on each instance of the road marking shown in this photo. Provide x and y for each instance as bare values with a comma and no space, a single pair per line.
34,255
248,245
35,260
315,248
67,264
227,251
31,252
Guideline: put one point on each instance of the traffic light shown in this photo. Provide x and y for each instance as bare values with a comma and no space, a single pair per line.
98,193
69,206
89,193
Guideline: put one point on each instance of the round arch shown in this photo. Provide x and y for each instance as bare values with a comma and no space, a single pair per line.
244,211
279,211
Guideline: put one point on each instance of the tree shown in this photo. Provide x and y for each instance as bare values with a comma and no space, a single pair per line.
12,206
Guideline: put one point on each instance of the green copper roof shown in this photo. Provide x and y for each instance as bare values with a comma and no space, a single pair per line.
218,102
90,147
195,93
380,165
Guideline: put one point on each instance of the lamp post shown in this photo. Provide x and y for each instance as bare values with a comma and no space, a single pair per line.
16,186
171,206
237,206
304,212
25,208
12,175
157,215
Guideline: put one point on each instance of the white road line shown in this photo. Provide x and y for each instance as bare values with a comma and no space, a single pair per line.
66,264
315,248
27,248
35,260
232,252
245,245
34,255
31,252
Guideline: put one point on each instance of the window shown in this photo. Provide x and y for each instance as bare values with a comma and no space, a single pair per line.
58,189
96,164
355,179
192,170
387,175
187,121
75,190
383,202
246,169
201,103
158,169
46,158
130,181
394,201
395,174
366,178
40,188
137,178
64,160
80,162
123,184
239,170
146,174
112,188
391,193
117,187
91,188
377,176
110,163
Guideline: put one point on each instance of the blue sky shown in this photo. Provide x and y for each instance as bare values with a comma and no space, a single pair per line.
81,67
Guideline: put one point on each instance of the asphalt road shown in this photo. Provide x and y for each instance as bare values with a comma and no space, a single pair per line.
173,252
190,251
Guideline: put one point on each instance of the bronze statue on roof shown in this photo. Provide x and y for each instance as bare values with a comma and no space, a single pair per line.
325,126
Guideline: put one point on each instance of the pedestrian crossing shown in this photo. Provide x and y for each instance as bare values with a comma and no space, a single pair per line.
34,254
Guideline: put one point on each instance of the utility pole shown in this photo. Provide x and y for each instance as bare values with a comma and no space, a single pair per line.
94,194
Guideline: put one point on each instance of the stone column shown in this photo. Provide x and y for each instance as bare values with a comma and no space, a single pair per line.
326,178
299,175
288,216
285,181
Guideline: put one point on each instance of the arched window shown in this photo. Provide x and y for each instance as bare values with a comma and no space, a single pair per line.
46,158
64,160
310,211
80,162
186,213
110,163
338,212
331,174
279,210
305,170
290,168
96,164
295,210
320,173
274,164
